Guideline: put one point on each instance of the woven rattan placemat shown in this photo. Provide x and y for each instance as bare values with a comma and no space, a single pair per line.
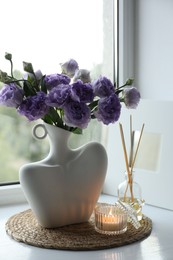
24,227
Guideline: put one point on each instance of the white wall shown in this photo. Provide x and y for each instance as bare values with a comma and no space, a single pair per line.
154,48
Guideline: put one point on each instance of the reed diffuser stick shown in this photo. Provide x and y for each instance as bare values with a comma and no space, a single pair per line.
137,147
131,143
126,161
124,148
131,159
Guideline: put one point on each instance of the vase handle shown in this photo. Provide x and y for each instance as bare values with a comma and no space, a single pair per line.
34,131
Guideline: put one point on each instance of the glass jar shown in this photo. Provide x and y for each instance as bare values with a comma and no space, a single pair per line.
130,192
110,219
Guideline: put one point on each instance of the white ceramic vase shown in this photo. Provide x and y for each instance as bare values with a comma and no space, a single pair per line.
63,188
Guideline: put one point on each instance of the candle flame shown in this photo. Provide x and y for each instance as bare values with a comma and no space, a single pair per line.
110,212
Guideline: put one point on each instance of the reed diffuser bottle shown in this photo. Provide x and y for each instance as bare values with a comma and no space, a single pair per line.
130,192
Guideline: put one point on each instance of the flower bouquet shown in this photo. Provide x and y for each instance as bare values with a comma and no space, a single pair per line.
68,100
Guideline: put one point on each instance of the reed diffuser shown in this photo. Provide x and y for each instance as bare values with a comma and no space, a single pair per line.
129,191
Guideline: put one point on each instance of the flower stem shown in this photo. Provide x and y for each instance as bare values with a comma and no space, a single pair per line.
11,68
19,80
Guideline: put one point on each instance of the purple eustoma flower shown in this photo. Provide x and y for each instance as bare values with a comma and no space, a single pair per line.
34,107
76,114
109,109
82,92
54,80
103,87
11,95
131,97
58,96
69,67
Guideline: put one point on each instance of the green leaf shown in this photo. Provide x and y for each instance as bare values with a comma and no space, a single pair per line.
77,131
8,56
27,66
55,117
93,105
29,91
32,81
3,76
43,85
47,119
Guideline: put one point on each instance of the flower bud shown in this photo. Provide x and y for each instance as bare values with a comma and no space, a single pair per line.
28,67
83,75
8,56
129,82
69,67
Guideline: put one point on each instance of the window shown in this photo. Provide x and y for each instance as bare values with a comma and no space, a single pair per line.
47,33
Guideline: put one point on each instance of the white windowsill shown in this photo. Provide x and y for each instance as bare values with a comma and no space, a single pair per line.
11,194
157,246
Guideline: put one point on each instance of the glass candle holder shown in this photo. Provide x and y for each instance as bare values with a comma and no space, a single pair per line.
110,220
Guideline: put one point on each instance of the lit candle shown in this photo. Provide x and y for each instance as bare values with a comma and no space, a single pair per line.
109,219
